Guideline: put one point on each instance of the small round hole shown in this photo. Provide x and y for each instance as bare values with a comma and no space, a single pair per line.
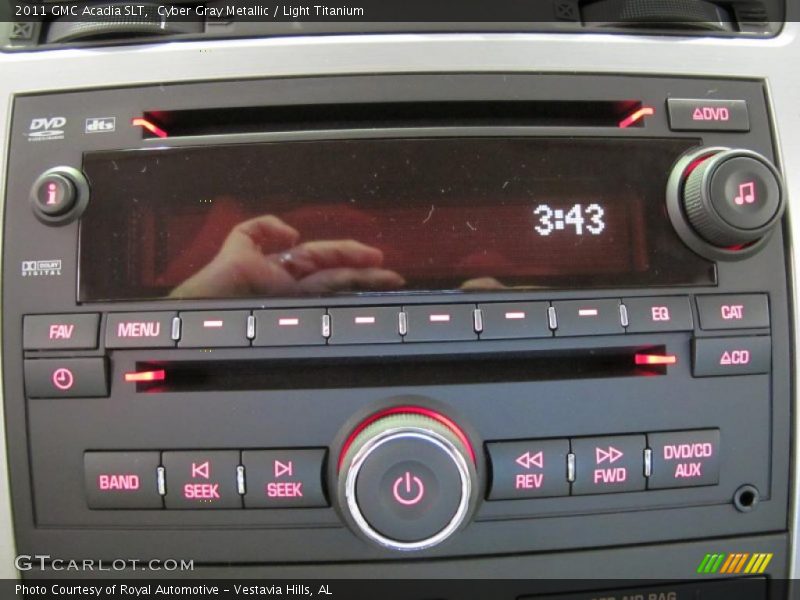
746,498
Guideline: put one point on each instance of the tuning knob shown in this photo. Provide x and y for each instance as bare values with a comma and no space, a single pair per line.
408,479
731,198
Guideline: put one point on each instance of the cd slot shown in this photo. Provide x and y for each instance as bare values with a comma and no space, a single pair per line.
308,117
398,371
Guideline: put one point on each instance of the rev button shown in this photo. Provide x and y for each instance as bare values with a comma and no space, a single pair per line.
528,469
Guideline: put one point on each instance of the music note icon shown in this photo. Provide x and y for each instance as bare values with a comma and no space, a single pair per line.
747,193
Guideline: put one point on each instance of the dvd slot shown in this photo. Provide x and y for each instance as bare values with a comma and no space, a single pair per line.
400,371
315,117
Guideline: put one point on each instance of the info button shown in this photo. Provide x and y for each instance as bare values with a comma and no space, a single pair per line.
140,330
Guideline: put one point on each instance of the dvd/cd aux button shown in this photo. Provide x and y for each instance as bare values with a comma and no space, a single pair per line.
606,465
365,325
60,332
121,479
287,478
198,479
684,459
528,469
588,317
286,327
508,320
66,378
214,329
733,311
140,330
731,356
670,313
440,323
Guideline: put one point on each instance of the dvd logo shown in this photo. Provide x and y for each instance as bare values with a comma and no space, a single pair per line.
45,128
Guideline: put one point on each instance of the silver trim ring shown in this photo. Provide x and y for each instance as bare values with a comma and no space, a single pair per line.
425,435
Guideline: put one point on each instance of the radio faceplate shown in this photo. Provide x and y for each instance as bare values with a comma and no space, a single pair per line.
571,385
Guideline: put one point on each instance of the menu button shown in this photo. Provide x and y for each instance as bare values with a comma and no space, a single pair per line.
140,330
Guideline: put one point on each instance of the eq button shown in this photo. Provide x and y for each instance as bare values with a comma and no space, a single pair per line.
684,459
528,469
732,356
671,313
609,464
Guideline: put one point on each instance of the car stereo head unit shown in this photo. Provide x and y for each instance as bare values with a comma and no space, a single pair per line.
350,318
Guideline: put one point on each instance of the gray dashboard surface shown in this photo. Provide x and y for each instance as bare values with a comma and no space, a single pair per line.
774,60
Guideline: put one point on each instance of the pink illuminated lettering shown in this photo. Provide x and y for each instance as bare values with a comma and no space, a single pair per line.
529,481
408,490
118,482
684,451
139,329
732,312
284,490
61,332
617,475
52,194
281,468
364,320
735,357
288,322
201,491
711,113
611,455
201,470
515,315
439,318
660,313
747,193
588,312
688,470
528,460
63,379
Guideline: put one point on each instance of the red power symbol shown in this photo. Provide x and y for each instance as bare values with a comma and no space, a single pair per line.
411,483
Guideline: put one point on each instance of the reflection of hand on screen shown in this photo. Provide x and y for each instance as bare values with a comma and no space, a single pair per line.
262,257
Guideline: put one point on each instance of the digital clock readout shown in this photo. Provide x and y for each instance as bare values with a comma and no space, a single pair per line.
579,219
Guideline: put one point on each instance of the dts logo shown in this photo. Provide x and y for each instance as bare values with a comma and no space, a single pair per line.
47,128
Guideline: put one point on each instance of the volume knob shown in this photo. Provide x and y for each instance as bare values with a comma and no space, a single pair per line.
408,479
732,197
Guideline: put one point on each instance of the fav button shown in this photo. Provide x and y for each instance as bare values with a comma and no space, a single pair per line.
66,378
283,478
733,311
528,469
609,464
197,479
684,459
214,329
60,332
731,356
121,479
140,330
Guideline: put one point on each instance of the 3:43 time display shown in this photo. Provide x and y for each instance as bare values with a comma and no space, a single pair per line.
579,218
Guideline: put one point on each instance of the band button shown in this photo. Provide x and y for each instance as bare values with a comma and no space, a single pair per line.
528,469
672,313
140,330
284,478
60,332
121,479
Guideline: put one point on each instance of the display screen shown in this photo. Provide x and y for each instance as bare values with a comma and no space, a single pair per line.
318,218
